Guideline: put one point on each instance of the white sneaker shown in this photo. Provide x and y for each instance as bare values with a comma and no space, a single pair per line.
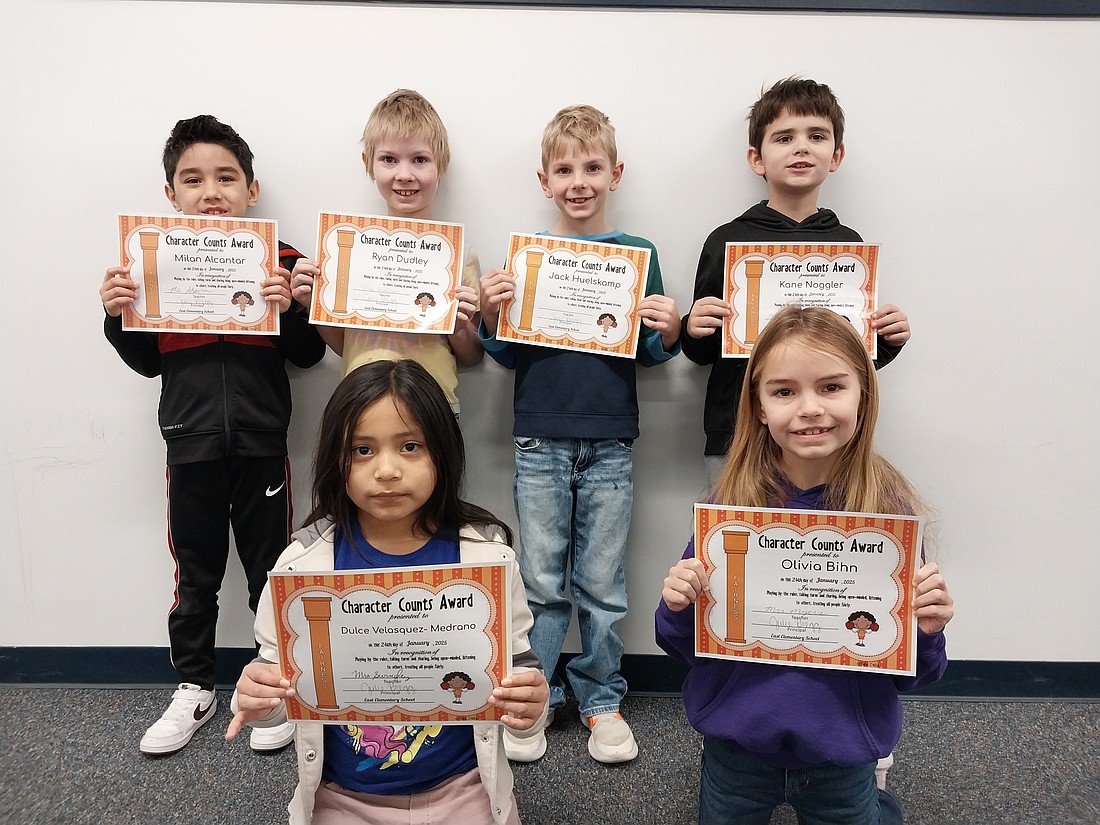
611,739
191,708
881,768
524,750
530,748
271,739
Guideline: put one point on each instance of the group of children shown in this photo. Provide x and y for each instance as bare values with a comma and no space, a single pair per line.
792,427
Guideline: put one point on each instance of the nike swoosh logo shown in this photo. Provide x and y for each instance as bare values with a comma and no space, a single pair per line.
269,493
201,713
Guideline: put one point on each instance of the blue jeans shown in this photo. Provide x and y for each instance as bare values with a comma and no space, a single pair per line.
735,789
573,498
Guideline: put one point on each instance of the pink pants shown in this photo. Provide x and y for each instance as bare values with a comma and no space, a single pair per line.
461,799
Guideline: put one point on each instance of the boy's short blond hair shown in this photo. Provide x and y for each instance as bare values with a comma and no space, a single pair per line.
578,126
404,114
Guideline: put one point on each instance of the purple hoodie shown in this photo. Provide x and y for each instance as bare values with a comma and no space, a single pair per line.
793,717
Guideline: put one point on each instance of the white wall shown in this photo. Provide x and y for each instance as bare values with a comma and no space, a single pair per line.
971,159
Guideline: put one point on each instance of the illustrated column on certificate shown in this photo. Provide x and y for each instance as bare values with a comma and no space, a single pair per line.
754,270
149,243
345,240
318,610
530,284
736,544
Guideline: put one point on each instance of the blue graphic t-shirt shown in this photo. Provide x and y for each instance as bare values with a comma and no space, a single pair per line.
395,759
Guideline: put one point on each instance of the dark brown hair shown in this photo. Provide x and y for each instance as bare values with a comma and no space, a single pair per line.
799,97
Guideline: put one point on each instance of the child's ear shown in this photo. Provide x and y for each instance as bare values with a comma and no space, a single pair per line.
616,176
760,415
253,192
367,166
170,193
756,162
838,156
544,182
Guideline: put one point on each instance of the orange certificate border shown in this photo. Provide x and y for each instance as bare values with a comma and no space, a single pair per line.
906,531
636,256
490,578
868,253
329,222
264,231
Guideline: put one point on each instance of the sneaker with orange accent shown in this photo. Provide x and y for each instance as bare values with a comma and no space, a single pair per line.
191,708
611,739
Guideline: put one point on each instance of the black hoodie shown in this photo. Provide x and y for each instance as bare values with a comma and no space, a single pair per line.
759,223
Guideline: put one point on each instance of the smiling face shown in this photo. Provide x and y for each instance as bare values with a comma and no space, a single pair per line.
406,174
810,402
797,153
391,473
578,181
209,181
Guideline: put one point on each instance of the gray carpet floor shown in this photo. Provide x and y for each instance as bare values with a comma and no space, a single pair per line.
70,756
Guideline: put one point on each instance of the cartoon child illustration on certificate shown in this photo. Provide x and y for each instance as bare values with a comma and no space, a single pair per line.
861,623
606,321
424,300
456,681
242,300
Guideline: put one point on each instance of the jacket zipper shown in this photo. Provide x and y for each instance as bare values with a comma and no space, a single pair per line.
227,435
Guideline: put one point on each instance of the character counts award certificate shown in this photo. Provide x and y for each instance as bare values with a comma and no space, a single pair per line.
399,645
762,278
387,273
574,294
199,274
808,588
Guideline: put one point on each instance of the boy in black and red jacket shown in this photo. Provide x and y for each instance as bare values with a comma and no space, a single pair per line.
224,412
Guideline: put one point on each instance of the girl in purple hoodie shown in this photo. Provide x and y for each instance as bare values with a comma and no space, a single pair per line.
810,737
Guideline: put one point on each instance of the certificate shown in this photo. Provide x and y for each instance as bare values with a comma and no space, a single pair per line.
399,645
574,295
762,278
387,273
199,274
808,588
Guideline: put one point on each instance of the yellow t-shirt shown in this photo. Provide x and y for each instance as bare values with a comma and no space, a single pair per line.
432,352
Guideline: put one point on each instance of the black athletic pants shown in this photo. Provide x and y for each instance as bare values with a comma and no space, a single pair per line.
205,500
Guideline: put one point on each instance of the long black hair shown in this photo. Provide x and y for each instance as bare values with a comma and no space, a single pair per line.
410,384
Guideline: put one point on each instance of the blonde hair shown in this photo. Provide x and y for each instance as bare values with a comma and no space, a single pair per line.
862,480
405,114
578,126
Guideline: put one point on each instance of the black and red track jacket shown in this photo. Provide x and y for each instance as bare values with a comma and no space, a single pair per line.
223,395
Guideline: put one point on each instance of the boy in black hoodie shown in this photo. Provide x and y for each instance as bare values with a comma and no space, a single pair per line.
796,132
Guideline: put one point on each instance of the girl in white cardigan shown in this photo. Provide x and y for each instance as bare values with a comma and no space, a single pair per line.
387,475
